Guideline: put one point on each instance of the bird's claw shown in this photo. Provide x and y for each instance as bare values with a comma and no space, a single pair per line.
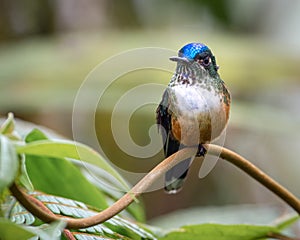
201,151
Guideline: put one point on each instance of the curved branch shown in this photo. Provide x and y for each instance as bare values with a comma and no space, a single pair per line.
257,174
150,178
114,209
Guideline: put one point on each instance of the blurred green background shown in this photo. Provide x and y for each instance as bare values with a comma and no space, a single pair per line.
47,48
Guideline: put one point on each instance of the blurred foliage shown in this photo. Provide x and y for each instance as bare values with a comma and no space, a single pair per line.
38,68
10,231
219,9
22,19
45,17
123,14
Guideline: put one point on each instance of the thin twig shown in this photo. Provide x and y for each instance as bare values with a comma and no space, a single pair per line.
280,236
150,178
68,235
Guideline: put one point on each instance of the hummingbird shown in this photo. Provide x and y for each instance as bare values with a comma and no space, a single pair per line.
194,109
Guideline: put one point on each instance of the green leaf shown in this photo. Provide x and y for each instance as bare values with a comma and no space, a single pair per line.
24,178
114,228
8,126
127,228
107,184
9,163
258,214
220,232
19,215
49,231
287,222
90,236
58,176
11,231
73,150
35,135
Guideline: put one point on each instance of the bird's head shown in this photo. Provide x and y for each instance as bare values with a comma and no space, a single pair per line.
197,56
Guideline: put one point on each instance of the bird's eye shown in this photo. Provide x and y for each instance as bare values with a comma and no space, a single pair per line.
205,62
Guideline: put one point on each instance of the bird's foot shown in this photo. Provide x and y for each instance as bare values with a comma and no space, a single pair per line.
201,151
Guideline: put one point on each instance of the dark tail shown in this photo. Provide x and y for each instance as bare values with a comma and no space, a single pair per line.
176,176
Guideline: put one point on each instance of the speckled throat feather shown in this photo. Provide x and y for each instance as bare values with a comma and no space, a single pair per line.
193,75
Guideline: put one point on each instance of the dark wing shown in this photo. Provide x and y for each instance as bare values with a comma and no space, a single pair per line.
163,119
175,176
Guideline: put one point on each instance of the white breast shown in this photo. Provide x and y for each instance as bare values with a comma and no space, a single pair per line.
200,113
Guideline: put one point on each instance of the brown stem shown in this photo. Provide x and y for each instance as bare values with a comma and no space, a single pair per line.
257,174
68,235
151,177
280,236
114,209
